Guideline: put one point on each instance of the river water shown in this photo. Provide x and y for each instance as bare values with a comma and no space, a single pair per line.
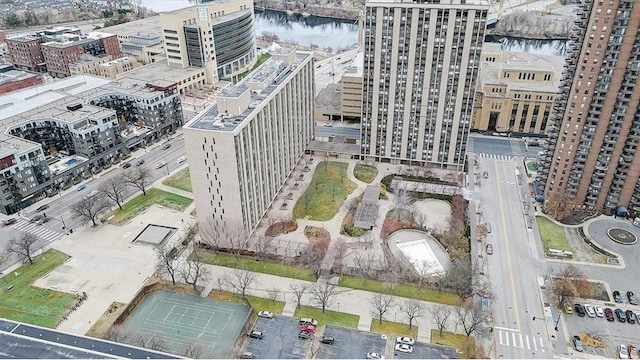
341,34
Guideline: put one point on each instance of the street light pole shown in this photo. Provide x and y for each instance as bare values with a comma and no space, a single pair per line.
64,226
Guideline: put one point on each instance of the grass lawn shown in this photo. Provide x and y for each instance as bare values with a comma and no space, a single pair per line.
318,201
180,180
329,317
393,328
552,235
30,304
403,290
139,203
461,342
532,166
365,173
260,304
228,260
261,58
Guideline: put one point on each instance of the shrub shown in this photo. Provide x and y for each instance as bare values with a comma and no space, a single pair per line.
352,231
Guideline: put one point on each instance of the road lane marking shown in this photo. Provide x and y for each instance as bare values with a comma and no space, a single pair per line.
506,238
528,345
504,328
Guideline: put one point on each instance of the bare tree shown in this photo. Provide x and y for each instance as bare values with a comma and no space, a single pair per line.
89,207
118,333
482,231
381,303
273,293
559,205
140,178
339,250
401,199
236,238
298,290
322,294
193,270
22,246
192,350
440,314
471,318
211,235
240,280
568,284
315,253
114,189
263,245
424,272
151,341
307,196
412,309
166,262
463,278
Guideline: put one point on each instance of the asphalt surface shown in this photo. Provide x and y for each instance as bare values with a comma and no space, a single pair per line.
350,344
427,351
280,339
330,70
33,342
502,147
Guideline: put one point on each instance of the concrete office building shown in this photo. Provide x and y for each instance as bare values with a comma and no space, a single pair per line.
218,36
104,65
421,61
55,135
593,144
351,94
242,149
516,91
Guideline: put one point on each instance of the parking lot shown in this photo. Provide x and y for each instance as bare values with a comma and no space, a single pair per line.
612,333
350,344
428,351
280,339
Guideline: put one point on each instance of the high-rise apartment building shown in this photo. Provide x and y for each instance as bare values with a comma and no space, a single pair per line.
218,36
421,61
593,146
242,149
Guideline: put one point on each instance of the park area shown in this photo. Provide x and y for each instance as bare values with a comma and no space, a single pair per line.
141,202
180,180
328,189
21,301
552,235
365,173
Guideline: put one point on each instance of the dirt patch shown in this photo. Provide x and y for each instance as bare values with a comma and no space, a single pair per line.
591,290
392,224
101,327
281,227
578,217
581,251
348,218
314,234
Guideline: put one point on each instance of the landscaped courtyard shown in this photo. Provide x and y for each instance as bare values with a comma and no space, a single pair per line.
328,189
141,202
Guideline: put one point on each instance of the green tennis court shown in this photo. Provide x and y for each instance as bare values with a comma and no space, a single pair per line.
181,322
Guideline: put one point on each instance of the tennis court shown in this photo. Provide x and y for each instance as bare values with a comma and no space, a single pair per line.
181,321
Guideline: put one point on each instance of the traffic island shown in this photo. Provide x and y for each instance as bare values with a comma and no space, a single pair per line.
622,236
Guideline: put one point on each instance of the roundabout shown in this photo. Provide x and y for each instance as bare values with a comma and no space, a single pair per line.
622,236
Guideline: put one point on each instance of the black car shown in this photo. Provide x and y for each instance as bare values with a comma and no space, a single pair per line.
617,297
327,340
304,335
36,218
620,315
46,206
140,162
256,335
126,165
633,299
580,311
631,317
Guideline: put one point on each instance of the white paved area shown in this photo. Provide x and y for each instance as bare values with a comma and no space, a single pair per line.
421,256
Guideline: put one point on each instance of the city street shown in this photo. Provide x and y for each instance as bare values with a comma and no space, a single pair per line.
330,71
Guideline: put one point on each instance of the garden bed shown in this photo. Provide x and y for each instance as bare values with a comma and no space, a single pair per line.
282,227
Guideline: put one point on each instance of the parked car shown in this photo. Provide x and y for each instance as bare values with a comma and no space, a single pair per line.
308,328
404,348
265,314
608,313
489,249
182,159
579,310
126,165
620,315
623,353
328,124
43,220
36,218
599,311
567,308
43,207
247,355
9,221
327,340
81,187
166,146
374,355
590,310
616,296
405,340
254,334
633,299
308,321
140,162
638,318
577,343
631,317
304,335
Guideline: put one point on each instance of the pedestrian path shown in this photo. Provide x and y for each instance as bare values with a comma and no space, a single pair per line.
496,157
514,338
37,230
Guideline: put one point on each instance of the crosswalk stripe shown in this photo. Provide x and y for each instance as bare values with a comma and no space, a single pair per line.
541,345
500,335
521,343
513,335
521,340
37,230
528,345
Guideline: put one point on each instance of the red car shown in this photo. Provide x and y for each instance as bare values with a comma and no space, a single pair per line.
308,329
608,313
9,221
489,249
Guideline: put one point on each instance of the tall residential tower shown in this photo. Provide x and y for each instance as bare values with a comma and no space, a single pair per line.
421,62
593,149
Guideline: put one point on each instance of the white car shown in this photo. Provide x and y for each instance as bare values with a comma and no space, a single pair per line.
182,159
89,196
265,314
599,311
404,348
161,164
405,340
623,353
374,355
591,312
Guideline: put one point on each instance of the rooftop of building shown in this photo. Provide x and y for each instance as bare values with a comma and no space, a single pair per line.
88,58
15,75
12,144
356,67
144,27
271,74
160,70
114,62
66,40
428,2
491,72
60,112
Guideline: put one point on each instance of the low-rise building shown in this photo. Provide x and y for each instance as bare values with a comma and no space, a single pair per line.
515,91
242,149
55,135
351,97
68,49
25,53
12,79
104,65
